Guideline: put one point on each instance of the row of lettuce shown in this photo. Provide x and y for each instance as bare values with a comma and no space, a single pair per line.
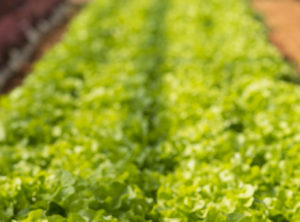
154,111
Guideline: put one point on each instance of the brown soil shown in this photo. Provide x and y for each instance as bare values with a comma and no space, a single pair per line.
283,19
47,42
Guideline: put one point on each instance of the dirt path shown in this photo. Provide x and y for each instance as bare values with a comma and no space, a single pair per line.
283,19
46,43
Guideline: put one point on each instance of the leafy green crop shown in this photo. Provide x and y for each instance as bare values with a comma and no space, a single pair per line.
162,110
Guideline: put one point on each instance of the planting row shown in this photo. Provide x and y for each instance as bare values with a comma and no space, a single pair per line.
154,111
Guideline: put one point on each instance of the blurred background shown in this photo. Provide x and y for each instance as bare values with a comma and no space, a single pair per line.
28,28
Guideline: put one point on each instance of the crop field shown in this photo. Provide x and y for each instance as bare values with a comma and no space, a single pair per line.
154,110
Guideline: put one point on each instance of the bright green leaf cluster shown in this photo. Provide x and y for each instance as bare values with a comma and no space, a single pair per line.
161,110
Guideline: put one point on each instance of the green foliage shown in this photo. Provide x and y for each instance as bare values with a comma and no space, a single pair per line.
162,110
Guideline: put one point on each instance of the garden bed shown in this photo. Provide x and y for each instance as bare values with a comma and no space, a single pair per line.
154,111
